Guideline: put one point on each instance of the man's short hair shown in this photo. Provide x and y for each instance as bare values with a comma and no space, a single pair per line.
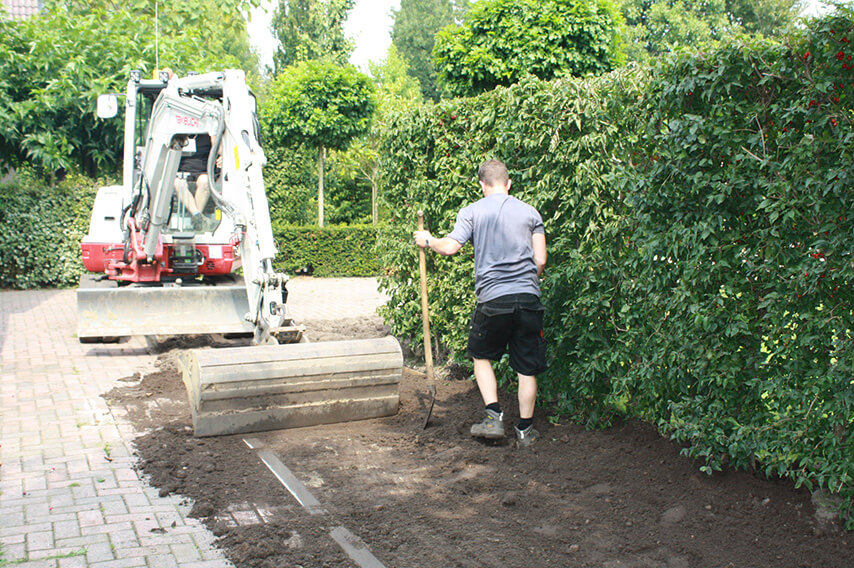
492,173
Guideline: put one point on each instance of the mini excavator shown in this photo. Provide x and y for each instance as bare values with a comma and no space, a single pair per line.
157,267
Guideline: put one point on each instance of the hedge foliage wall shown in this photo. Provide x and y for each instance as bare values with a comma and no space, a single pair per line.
700,240
333,250
40,230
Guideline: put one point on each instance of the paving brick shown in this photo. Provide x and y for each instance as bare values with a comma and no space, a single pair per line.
36,507
185,553
14,552
13,538
73,562
136,500
39,541
23,529
10,517
161,561
124,538
99,552
90,518
113,505
66,529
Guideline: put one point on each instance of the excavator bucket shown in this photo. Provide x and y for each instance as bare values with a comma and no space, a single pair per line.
105,309
250,389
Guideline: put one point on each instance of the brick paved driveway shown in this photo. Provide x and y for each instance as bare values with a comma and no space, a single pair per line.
69,495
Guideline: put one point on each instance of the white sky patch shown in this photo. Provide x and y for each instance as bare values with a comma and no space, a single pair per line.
814,8
369,25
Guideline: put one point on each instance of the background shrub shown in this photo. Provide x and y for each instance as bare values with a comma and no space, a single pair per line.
40,230
335,250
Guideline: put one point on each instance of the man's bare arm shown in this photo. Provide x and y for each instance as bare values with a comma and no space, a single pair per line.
538,242
444,246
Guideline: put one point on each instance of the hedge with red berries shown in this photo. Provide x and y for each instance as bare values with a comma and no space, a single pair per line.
700,236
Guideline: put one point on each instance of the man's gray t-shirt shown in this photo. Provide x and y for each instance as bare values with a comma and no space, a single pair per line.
500,228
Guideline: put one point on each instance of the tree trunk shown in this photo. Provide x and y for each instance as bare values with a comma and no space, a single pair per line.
374,212
321,158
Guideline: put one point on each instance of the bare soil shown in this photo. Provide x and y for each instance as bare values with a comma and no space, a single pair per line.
623,497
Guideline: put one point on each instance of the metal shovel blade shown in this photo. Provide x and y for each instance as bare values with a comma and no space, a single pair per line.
432,389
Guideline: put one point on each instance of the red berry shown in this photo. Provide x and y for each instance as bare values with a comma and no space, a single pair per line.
840,55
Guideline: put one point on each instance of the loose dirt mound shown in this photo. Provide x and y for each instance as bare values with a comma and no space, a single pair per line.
436,497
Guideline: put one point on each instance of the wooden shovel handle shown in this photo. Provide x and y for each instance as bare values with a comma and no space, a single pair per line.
425,313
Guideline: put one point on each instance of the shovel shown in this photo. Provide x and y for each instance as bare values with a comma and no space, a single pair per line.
425,317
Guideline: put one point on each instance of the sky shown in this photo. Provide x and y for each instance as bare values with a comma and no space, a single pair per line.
370,24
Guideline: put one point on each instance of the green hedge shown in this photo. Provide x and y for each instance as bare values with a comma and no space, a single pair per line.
41,226
342,250
700,239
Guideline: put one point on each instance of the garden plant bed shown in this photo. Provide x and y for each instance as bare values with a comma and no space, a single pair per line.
436,497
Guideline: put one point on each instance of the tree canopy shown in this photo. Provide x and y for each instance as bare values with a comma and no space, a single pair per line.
416,24
51,71
503,40
311,29
320,104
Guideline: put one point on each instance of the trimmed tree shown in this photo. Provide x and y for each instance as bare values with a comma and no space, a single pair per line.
320,104
501,41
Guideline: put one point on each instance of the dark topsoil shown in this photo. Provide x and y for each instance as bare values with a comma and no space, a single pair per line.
617,498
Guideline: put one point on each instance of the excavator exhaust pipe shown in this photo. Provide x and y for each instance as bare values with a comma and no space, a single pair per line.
253,389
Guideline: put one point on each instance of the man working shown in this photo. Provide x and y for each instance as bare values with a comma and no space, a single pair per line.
509,256
194,169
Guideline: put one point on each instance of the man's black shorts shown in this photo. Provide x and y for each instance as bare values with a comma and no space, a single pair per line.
514,321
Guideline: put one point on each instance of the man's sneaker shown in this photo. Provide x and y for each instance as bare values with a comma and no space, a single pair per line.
203,223
491,427
526,437
198,223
